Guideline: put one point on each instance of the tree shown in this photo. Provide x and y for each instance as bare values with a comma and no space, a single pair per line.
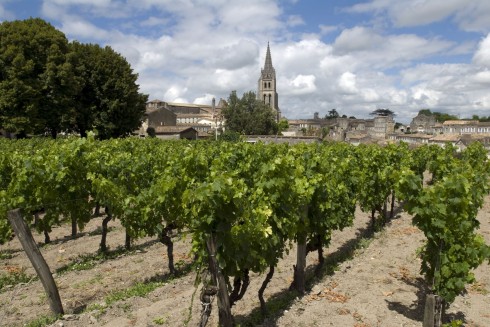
332,114
283,125
249,116
426,112
109,101
37,84
440,116
382,112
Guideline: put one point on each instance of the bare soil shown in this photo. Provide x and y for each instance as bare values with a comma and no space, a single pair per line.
368,281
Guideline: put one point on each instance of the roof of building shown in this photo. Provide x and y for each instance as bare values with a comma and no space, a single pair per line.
172,129
155,101
415,136
459,122
446,138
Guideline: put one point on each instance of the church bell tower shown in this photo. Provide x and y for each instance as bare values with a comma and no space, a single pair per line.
267,85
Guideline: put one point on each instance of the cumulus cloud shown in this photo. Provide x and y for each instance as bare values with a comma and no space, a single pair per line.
347,83
194,50
303,84
357,39
469,15
482,55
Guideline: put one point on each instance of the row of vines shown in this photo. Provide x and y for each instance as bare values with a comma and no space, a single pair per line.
245,204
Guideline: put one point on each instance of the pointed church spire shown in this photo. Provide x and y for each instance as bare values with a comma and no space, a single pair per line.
268,70
268,59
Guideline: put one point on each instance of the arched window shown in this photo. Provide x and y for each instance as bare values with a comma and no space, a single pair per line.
269,84
265,85
264,98
269,99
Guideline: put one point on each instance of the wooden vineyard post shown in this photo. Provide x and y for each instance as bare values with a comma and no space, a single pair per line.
299,269
433,311
224,309
24,234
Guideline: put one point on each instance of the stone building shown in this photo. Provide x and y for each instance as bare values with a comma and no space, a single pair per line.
423,124
205,119
267,91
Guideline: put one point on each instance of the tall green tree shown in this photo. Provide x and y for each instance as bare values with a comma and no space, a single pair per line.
109,100
249,116
37,84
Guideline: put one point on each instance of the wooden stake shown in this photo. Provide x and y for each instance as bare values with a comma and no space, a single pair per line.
24,235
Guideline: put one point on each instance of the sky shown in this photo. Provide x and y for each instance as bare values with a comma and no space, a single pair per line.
352,56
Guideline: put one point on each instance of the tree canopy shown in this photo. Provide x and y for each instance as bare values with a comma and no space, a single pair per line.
332,114
382,112
109,101
36,78
249,116
48,85
440,116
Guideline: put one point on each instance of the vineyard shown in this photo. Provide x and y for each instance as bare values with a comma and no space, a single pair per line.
141,232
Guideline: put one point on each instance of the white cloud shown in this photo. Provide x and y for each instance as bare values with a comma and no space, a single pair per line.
357,39
174,93
154,21
303,84
206,99
295,20
482,55
326,29
469,15
347,83
193,50
235,56
482,78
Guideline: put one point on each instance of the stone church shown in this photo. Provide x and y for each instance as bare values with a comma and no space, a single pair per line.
267,90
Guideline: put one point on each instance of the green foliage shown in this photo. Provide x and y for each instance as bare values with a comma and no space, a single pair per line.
49,86
332,114
42,321
454,323
382,112
440,116
37,83
151,131
230,136
446,212
139,289
282,125
249,116
109,101
251,198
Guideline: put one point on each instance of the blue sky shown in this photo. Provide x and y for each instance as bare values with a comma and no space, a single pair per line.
354,56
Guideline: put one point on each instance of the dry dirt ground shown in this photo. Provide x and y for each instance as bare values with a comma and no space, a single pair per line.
368,281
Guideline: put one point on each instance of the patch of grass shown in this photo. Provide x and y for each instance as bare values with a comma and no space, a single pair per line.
88,261
98,230
139,289
454,323
364,243
42,321
160,320
95,280
13,276
4,255
99,308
